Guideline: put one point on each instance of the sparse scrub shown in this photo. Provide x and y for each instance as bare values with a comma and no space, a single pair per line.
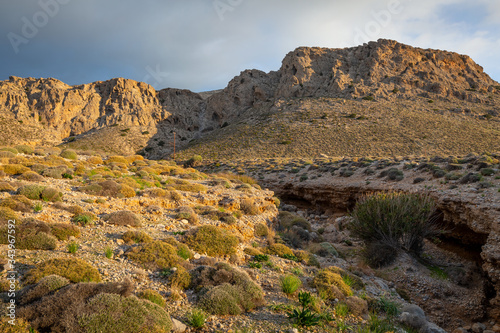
396,219
212,241
73,247
154,255
31,176
84,219
6,187
15,169
131,237
261,230
153,297
69,154
331,284
24,149
230,291
187,213
123,217
290,284
249,207
75,270
280,250
7,214
63,231
197,318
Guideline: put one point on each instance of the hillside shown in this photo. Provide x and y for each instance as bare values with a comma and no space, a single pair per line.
321,101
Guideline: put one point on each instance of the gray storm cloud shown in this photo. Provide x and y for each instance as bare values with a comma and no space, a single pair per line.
201,44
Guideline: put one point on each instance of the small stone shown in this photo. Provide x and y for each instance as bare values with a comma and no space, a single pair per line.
177,326
120,242
184,221
196,256
478,328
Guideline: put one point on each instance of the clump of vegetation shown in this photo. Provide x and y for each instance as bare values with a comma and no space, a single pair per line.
84,219
395,220
75,270
123,217
31,176
197,318
212,240
153,297
187,213
39,192
7,214
261,230
194,161
30,235
155,255
304,317
6,187
180,278
280,250
18,203
290,283
73,247
139,236
69,154
226,290
331,284
24,149
109,188
92,307
392,174
249,207
15,169
63,231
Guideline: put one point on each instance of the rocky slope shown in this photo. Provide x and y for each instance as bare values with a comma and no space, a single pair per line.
467,192
384,71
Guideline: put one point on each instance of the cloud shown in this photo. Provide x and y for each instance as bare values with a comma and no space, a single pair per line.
190,46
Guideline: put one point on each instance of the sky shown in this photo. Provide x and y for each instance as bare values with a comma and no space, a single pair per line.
202,44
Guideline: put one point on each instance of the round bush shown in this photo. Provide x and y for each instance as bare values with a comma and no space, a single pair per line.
212,240
75,270
123,217
69,154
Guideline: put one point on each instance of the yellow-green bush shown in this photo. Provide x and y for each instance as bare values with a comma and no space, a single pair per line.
279,250
212,240
18,203
25,149
116,159
69,154
131,237
180,278
6,187
63,231
249,207
155,255
75,270
153,297
331,284
31,176
7,214
15,169
123,217
95,160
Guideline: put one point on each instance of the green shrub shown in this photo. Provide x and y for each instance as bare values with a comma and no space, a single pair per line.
249,207
31,176
69,154
130,237
180,278
83,219
9,149
226,290
154,255
31,235
153,297
261,230
108,252
33,192
487,171
25,149
63,231
18,203
73,247
197,318
304,317
194,161
187,213
75,270
331,284
7,154
15,169
123,217
212,240
279,250
51,194
114,313
396,219
7,214
6,187
290,284
288,220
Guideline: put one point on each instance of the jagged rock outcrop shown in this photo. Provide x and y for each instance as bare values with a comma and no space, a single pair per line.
384,69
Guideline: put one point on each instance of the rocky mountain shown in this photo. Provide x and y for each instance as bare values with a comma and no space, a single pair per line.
385,71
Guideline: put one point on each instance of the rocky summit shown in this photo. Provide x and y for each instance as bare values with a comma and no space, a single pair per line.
352,190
